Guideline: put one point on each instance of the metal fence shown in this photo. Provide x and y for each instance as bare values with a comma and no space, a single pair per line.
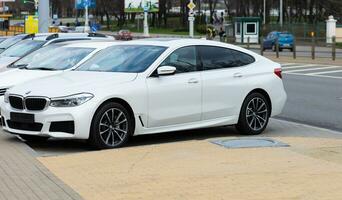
313,47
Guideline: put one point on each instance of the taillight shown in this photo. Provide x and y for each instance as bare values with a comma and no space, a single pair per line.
277,71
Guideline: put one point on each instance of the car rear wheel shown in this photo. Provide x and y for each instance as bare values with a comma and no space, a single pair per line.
111,127
254,115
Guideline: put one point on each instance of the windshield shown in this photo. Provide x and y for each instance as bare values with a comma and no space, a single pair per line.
54,58
9,42
22,48
123,58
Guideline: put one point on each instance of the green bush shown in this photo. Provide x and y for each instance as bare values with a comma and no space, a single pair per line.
202,29
180,30
339,45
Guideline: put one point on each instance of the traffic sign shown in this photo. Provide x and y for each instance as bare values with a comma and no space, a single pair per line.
81,4
191,18
86,3
191,5
191,13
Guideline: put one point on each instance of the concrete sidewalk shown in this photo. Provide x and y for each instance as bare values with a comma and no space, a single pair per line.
187,165
24,177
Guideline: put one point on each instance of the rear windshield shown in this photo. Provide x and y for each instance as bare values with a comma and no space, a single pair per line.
123,58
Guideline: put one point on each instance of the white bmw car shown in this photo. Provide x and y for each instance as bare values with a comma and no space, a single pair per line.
149,86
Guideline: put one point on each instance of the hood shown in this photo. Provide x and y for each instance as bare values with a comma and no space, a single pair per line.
72,82
5,61
17,76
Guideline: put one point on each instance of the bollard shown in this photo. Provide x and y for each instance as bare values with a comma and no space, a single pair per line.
334,48
248,40
313,48
261,46
294,50
277,48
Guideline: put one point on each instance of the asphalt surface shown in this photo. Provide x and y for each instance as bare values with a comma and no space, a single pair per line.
314,95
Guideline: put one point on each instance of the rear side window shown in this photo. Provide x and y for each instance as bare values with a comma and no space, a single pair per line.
221,58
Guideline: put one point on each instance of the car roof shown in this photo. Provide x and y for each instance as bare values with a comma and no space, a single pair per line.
173,42
179,42
51,36
97,44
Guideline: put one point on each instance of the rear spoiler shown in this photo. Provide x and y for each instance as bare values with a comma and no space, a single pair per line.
97,35
29,36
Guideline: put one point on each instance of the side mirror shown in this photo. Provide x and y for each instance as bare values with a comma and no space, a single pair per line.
166,70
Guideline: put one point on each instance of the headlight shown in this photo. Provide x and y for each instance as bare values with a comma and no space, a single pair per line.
6,97
71,101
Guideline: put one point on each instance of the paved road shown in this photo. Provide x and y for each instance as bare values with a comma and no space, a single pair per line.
314,95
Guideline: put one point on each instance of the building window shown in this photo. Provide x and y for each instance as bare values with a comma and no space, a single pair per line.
251,28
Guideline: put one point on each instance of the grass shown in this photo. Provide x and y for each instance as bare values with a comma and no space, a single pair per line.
339,45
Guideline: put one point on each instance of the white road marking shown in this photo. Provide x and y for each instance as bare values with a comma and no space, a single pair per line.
325,72
317,76
288,68
298,66
288,64
311,69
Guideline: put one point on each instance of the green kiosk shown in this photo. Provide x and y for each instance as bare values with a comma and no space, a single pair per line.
247,27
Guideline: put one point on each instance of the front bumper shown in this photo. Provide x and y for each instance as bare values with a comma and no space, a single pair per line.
73,122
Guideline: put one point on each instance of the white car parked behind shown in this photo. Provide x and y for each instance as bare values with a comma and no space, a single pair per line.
50,60
34,42
149,86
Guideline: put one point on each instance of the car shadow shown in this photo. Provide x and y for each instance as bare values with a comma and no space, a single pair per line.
55,147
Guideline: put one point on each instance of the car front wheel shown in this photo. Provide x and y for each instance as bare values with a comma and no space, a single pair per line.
111,127
254,115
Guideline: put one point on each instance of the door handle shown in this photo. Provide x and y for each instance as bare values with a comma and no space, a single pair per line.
238,75
193,81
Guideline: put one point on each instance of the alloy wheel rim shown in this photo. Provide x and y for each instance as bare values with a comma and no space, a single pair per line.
113,127
256,114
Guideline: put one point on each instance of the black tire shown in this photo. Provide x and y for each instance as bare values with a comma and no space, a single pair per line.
246,117
291,49
280,49
101,139
33,138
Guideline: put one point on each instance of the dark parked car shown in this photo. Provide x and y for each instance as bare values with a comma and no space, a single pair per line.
285,41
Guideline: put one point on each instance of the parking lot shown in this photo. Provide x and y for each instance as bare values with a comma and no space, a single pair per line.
171,165
180,165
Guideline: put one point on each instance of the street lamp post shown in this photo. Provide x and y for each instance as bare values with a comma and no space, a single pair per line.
191,18
146,31
264,11
43,10
281,13
86,8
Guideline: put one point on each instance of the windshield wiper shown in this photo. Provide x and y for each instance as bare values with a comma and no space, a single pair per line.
43,68
20,66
